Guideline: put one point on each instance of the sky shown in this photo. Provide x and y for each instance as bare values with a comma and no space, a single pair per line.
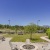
24,12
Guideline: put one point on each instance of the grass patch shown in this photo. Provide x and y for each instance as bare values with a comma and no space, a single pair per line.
22,38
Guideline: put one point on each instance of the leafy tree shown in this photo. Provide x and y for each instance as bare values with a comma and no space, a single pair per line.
48,33
1,26
30,29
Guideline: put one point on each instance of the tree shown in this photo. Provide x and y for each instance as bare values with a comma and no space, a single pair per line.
30,29
1,26
48,33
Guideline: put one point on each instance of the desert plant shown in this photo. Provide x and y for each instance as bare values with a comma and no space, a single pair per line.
48,33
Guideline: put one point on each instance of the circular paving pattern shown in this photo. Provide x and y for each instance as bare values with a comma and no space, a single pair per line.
28,46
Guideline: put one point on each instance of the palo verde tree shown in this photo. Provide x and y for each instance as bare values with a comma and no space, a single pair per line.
30,29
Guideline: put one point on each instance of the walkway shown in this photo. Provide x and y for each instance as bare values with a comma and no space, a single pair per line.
4,45
44,38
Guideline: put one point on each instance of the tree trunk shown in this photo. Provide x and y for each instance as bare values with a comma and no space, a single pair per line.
30,35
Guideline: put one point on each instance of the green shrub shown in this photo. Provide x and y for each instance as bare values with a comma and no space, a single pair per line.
48,33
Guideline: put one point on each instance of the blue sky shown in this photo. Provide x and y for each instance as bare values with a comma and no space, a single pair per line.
23,12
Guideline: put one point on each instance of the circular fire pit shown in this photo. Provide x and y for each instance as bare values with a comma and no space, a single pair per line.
28,46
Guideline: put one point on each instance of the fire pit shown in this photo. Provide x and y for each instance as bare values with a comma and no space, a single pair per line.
28,46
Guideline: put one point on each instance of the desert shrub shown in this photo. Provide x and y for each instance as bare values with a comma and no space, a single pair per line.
48,33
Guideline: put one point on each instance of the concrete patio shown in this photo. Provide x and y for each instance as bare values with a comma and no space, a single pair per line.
4,45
